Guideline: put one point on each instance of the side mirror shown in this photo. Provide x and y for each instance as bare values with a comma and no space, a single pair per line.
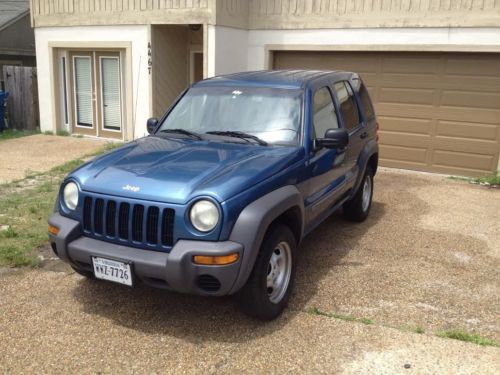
334,138
152,124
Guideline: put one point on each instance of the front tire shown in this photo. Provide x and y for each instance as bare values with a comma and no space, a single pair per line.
358,208
268,289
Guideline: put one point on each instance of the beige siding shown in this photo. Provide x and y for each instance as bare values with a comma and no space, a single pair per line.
170,65
298,14
438,112
233,13
270,14
109,12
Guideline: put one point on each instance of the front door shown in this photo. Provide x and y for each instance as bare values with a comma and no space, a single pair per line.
96,94
326,166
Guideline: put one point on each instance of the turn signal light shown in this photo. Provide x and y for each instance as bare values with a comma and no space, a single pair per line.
378,127
53,230
208,260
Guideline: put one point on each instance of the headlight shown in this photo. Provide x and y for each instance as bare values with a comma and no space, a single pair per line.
70,195
204,215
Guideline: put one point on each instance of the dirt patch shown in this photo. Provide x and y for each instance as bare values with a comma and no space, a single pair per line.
40,153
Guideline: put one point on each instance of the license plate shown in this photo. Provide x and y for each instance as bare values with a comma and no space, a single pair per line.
112,270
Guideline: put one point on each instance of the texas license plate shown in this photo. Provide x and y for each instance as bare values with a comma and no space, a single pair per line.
112,270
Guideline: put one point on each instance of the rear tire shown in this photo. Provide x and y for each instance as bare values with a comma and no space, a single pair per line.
358,208
268,289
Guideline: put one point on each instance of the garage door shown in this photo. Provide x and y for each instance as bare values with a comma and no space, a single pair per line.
438,112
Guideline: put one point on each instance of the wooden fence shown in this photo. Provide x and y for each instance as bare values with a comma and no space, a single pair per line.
22,103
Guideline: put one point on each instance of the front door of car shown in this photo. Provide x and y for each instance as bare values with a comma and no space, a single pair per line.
326,167
351,120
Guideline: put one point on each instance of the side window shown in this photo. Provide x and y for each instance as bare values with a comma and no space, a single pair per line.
366,103
324,117
348,105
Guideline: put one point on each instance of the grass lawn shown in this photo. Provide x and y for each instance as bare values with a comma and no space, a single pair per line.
12,133
25,206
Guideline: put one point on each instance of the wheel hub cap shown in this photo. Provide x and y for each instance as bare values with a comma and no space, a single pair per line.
278,272
367,193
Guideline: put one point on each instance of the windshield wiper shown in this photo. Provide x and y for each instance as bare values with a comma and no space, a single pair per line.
237,134
182,131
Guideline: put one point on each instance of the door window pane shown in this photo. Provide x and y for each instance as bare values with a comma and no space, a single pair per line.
111,101
83,90
348,105
324,112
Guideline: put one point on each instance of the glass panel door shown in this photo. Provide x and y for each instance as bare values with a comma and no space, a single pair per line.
82,87
96,93
109,94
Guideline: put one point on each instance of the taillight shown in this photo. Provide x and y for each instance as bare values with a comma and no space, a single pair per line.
378,127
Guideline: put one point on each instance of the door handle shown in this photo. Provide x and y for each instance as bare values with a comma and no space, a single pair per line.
363,135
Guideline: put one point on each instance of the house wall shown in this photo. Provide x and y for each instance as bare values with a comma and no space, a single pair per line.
270,14
137,85
124,12
230,50
312,14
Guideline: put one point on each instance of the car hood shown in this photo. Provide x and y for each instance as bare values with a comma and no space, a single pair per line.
177,170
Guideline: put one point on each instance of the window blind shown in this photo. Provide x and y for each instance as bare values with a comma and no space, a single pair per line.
83,90
111,103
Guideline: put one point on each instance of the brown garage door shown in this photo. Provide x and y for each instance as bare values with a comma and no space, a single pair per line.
438,112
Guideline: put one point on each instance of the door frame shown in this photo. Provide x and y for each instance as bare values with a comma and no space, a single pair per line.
125,51
193,50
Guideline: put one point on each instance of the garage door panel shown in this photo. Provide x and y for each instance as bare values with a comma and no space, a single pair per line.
405,124
406,96
483,116
465,145
407,154
405,139
472,99
406,110
466,130
470,161
437,111
410,65
480,84
417,81
309,60
485,65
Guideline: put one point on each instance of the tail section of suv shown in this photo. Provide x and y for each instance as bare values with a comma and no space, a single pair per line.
216,200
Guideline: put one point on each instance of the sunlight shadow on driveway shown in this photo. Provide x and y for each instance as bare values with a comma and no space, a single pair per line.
199,319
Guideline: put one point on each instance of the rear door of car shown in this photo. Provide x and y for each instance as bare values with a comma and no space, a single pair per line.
352,121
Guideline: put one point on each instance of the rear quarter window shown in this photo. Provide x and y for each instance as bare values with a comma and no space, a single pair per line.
366,102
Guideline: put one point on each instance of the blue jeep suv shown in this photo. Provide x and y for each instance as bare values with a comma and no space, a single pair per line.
216,200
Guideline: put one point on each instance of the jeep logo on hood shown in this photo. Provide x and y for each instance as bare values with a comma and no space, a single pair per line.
128,187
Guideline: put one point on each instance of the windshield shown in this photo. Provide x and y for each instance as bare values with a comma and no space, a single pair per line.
271,114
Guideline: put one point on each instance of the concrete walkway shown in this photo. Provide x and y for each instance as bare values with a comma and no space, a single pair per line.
40,153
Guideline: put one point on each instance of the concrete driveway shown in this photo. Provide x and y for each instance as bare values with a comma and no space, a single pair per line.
427,257
40,152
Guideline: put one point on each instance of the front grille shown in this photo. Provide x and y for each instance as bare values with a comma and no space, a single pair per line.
140,224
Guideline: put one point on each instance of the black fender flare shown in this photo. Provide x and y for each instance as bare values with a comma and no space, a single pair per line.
370,149
254,221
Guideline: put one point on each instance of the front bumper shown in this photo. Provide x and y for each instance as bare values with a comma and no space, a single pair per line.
174,270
